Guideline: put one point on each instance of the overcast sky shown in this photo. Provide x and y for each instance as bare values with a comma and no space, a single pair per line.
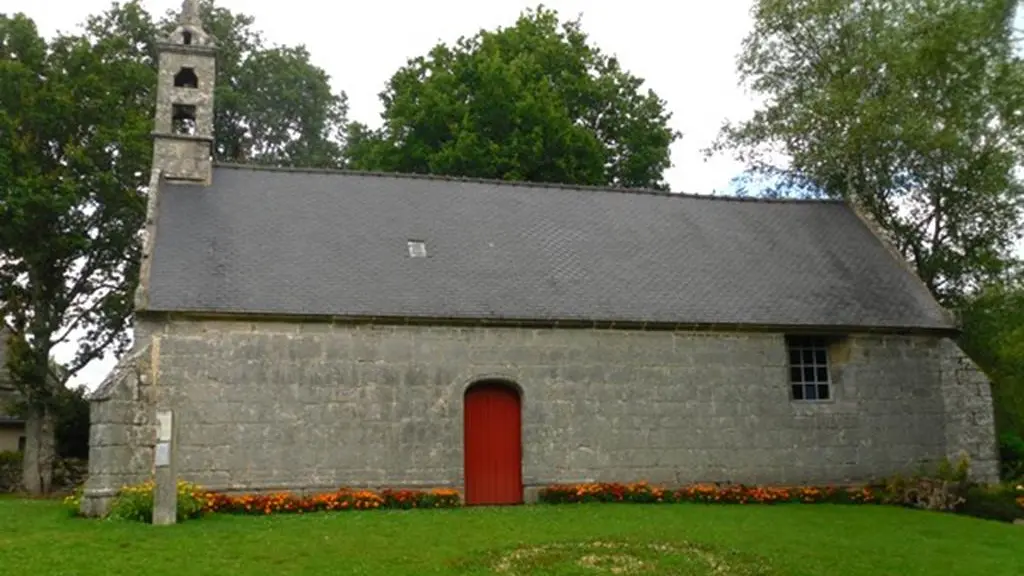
684,50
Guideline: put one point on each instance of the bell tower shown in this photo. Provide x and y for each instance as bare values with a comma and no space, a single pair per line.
183,131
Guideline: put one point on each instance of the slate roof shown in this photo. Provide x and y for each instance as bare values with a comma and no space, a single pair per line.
335,243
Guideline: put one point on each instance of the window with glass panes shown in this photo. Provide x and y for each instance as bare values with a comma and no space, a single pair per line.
809,376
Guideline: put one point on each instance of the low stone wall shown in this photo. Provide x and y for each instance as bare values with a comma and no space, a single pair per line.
68,473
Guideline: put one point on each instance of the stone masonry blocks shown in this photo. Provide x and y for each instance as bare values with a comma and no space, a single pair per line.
201,97
122,432
268,406
183,159
185,155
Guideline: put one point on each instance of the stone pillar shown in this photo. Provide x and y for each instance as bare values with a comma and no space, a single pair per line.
165,496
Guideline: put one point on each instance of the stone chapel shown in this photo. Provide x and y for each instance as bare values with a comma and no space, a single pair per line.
314,329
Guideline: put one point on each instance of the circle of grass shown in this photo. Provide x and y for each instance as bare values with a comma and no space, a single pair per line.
625,559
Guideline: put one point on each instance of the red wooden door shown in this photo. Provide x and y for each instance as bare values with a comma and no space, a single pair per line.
493,445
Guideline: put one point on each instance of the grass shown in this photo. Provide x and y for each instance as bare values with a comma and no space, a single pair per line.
37,537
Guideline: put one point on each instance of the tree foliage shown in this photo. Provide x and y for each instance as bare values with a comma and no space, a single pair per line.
76,113
272,104
72,163
535,101
72,429
993,322
71,418
993,335
910,108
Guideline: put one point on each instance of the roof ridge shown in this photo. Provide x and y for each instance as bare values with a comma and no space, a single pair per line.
522,183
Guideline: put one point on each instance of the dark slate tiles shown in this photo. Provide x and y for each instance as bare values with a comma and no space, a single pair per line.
317,243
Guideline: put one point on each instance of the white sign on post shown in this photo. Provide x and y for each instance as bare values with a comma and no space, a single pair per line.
163,454
164,421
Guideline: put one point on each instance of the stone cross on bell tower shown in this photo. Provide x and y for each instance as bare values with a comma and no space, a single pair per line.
183,132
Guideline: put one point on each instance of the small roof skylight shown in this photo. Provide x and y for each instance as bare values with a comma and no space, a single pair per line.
417,249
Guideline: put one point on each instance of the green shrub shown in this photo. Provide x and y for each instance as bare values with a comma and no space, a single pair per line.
944,488
191,500
136,502
998,502
73,502
72,430
1011,452
10,472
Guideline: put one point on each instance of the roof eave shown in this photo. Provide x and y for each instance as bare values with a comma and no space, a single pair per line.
577,323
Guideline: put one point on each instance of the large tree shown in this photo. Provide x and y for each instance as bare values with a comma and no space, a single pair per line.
72,163
76,114
914,109
535,101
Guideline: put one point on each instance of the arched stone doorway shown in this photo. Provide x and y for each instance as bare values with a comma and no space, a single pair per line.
492,443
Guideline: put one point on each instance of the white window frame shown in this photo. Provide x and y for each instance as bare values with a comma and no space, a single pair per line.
810,370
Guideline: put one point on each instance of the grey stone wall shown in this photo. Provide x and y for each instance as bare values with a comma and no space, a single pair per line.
264,406
182,158
970,419
171,62
122,431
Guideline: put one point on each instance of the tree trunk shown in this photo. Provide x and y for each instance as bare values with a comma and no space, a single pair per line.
40,451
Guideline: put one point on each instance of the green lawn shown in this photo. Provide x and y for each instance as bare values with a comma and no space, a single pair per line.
37,538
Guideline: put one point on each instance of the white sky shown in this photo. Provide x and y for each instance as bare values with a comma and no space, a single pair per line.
684,50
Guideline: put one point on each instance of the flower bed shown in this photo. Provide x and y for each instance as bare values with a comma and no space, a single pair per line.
999,502
343,499
725,494
135,502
